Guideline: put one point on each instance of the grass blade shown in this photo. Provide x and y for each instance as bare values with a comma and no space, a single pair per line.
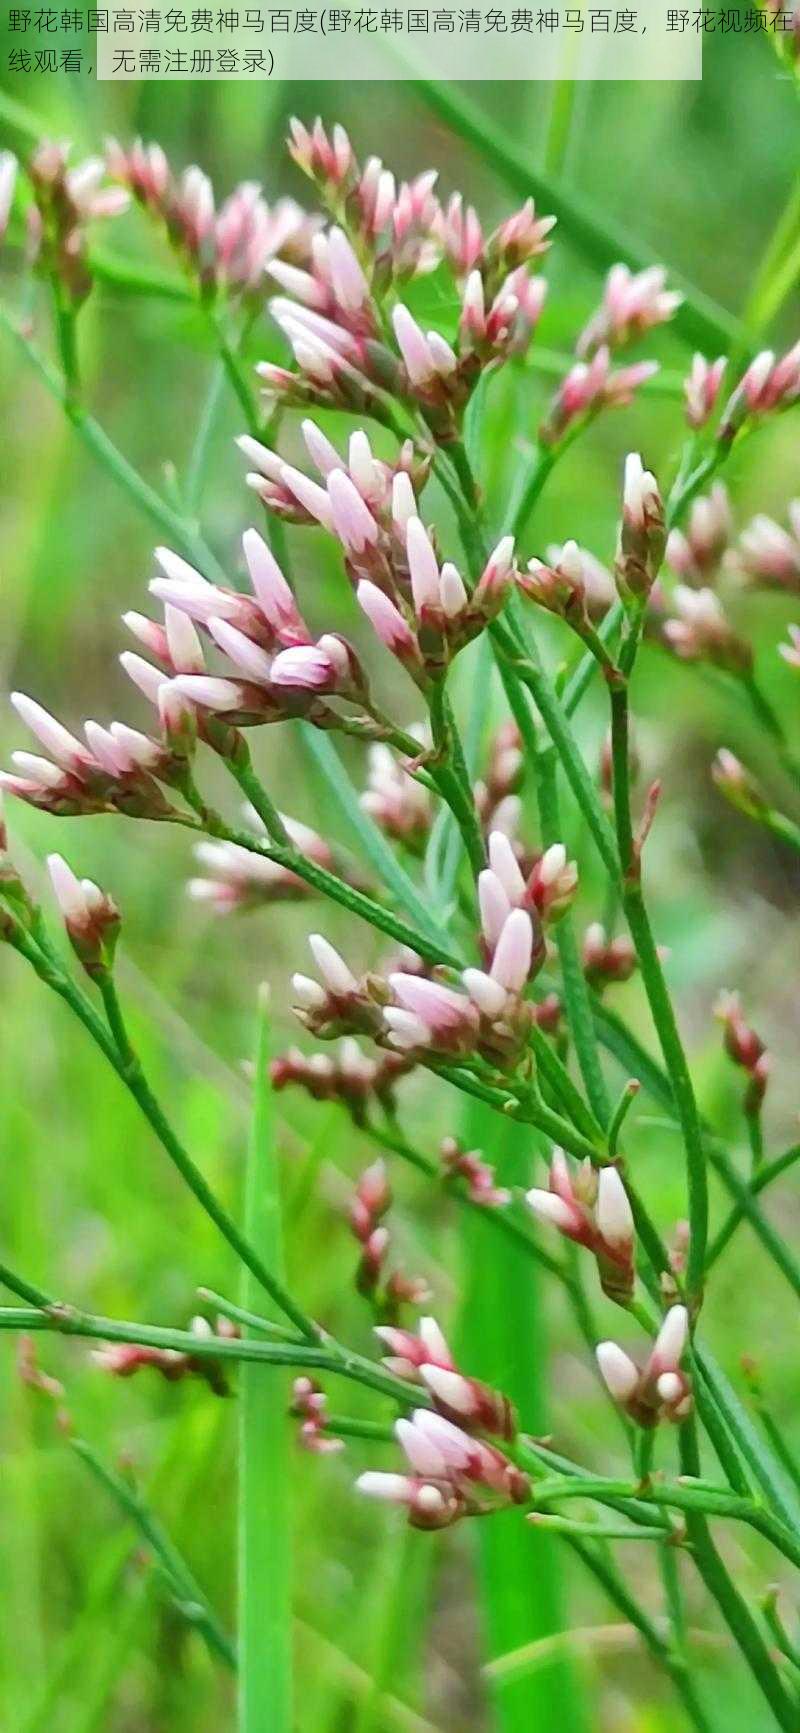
265,1590
519,1569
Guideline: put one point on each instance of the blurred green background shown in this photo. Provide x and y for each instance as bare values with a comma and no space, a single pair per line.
88,1206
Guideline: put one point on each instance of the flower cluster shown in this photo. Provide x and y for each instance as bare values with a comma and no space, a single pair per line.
350,1076
235,878
382,235
607,960
310,1407
452,1474
745,1048
230,246
66,199
695,553
368,1205
125,1359
659,1390
468,1165
426,1359
592,1209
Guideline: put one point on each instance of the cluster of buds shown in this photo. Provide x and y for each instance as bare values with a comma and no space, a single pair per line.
420,610
237,878
426,628
392,224
469,1166
606,960
659,1390
642,536
738,785
66,200
592,1209
633,302
701,389
590,386
399,805
310,1406
767,385
746,1049
425,1358
570,583
700,632
367,1208
278,671
125,1359
496,794
229,247
452,1474
769,555
425,1017
384,234
696,554
91,919
350,1076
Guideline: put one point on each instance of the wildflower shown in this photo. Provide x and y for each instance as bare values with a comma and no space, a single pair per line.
125,1359
236,878
67,199
696,555
595,578
336,1004
452,1475
700,632
641,541
701,388
770,555
592,386
91,918
367,1206
766,386
349,1076
399,804
439,617
310,1406
593,1210
737,784
478,1175
745,1048
633,302
659,1390
606,960
426,1359
114,772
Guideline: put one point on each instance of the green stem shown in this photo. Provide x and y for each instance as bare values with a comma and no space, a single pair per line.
450,774
657,995
120,1053
770,1171
185,1589
265,1586
105,452
734,1609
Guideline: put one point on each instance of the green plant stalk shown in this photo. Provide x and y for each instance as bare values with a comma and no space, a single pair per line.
264,1523
120,1054
770,1171
657,995
184,1587
625,1047
328,885
501,1321
450,775
96,440
734,1609
373,843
